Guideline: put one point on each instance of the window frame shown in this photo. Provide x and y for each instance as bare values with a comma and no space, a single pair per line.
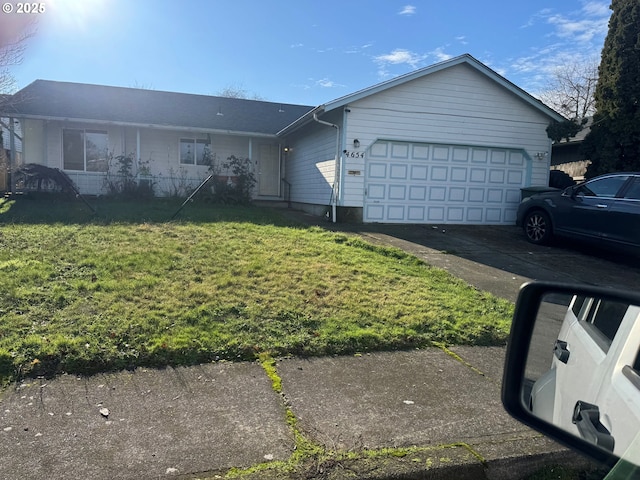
199,159
85,161
589,309
584,190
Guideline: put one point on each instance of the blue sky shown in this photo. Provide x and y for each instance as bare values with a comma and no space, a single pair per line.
299,51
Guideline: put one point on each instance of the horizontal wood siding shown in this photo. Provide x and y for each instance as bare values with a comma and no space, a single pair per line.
310,166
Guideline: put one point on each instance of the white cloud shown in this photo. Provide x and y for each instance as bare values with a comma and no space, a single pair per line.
571,37
400,56
584,25
358,49
326,83
440,54
407,10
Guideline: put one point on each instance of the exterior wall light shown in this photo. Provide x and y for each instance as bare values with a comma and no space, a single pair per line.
356,143
541,155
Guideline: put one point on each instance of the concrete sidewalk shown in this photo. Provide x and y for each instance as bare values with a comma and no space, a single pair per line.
202,421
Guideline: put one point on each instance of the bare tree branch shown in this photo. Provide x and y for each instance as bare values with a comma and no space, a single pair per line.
571,90
15,30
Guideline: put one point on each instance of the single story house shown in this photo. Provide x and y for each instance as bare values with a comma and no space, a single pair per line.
450,143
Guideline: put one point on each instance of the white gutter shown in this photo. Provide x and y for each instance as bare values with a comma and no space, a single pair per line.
158,126
336,189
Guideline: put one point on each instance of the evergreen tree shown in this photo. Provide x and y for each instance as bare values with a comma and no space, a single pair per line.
614,141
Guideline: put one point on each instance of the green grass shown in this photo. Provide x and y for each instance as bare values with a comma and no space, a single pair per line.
125,287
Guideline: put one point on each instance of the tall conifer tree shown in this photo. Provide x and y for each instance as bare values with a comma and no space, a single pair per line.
613,143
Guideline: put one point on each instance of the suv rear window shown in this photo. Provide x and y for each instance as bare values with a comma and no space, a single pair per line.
601,318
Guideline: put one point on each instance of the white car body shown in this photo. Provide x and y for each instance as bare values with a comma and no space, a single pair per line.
595,364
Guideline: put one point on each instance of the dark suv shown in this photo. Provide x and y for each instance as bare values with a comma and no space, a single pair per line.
603,210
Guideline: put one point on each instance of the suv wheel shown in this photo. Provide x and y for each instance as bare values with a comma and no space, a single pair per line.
537,227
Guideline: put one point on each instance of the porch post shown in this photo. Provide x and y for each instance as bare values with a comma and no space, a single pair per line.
12,153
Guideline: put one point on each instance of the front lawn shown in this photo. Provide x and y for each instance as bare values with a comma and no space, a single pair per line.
127,287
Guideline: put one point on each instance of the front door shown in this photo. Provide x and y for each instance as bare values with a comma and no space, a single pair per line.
269,170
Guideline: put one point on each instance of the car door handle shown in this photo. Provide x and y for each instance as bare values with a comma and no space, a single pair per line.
601,205
587,418
560,351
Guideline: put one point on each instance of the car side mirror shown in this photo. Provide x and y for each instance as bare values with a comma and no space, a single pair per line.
572,369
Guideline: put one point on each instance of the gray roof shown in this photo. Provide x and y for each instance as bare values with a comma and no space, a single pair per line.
132,106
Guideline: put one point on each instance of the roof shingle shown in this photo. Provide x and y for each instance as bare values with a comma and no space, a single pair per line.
79,101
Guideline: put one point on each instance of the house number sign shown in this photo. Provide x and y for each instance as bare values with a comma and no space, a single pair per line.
353,154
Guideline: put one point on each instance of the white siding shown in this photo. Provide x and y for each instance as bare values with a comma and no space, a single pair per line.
158,149
33,141
457,105
310,166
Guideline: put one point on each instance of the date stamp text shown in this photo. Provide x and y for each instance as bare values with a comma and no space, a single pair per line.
24,8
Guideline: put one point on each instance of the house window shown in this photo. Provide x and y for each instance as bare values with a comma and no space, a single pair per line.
85,150
194,152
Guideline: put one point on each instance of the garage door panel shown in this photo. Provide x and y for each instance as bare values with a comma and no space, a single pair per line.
476,195
476,185
496,176
398,171
418,172
439,174
441,154
457,194
479,155
437,194
455,215
397,192
395,213
493,215
495,195
379,150
417,192
415,213
515,177
420,152
498,157
400,150
377,191
460,154
377,170
459,174
435,214
474,215
478,175
374,213
512,196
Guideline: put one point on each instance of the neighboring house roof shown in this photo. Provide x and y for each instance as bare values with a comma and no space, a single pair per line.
139,107
579,137
462,59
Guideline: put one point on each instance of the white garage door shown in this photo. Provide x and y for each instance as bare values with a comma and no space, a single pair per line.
431,183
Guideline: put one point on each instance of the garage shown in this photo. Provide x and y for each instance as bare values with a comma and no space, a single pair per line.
453,143
410,182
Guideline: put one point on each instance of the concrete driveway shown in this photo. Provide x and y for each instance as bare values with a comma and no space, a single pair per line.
499,259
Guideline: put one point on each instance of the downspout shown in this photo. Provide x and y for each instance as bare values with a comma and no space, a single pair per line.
138,152
336,179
